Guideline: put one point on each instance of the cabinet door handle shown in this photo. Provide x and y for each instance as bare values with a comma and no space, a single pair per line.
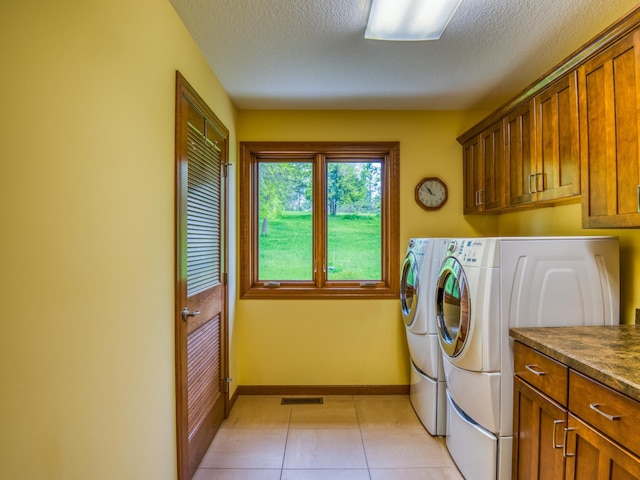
565,452
480,197
532,177
638,198
555,443
596,407
532,369
541,175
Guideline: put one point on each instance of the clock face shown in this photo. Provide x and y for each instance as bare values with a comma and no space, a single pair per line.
431,193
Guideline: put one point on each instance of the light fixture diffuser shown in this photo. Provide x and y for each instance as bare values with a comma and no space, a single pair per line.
409,20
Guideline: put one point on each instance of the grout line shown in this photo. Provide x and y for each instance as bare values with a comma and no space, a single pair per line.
286,441
364,450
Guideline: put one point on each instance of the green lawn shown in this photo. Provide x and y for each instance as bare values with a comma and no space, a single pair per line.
354,248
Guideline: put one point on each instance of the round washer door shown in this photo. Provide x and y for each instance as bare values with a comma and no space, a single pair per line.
453,307
409,286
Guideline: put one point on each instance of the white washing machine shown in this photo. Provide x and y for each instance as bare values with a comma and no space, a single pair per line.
486,286
417,299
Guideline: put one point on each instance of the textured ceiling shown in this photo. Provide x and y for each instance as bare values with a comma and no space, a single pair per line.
312,54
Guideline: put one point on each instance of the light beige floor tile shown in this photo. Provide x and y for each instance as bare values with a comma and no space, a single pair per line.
236,474
381,411
415,474
334,474
258,411
246,448
403,448
324,448
337,411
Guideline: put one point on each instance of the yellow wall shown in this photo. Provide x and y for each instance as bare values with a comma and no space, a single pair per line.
353,342
86,271
87,236
566,220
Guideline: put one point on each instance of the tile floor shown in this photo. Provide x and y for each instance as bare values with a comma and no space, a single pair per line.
376,437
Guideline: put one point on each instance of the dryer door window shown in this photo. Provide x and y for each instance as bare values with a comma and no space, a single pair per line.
453,307
409,283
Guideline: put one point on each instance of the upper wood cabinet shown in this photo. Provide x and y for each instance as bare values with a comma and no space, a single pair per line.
519,157
541,150
557,173
472,175
609,135
484,171
573,132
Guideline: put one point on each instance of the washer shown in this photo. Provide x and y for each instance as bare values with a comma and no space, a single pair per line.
487,285
417,286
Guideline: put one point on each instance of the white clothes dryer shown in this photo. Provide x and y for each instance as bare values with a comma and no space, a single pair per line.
417,300
486,286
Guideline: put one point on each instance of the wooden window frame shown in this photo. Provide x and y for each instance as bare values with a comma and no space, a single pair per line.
320,287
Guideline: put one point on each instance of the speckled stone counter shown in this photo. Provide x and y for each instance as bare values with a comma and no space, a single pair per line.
610,355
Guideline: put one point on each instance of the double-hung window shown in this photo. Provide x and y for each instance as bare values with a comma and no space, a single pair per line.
319,220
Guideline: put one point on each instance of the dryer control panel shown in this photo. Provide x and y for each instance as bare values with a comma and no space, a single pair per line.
474,252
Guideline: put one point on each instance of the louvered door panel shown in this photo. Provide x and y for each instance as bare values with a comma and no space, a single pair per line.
203,365
203,212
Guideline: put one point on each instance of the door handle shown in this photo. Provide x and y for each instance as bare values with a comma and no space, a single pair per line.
555,424
186,313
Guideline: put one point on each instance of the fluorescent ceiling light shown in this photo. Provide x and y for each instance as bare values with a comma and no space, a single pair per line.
409,19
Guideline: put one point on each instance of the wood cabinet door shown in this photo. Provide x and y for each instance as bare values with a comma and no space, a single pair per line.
472,175
609,135
519,161
492,193
557,172
538,427
592,456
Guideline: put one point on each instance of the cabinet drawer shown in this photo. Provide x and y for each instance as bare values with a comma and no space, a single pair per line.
613,413
542,372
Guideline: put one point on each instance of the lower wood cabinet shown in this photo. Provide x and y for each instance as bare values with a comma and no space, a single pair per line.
540,423
592,456
591,433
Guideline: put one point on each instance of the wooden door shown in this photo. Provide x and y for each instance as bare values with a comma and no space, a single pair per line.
538,429
201,291
557,173
472,175
492,193
592,456
609,135
519,159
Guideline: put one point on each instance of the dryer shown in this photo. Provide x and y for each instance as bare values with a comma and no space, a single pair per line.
417,286
487,285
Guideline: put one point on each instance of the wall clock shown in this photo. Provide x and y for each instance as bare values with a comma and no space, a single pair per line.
431,193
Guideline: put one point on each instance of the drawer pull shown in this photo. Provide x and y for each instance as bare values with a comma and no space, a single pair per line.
555,424
596,407
532,369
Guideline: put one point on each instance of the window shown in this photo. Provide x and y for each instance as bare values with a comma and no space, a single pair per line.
319,220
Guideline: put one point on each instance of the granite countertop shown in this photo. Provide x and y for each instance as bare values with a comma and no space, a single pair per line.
609,354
